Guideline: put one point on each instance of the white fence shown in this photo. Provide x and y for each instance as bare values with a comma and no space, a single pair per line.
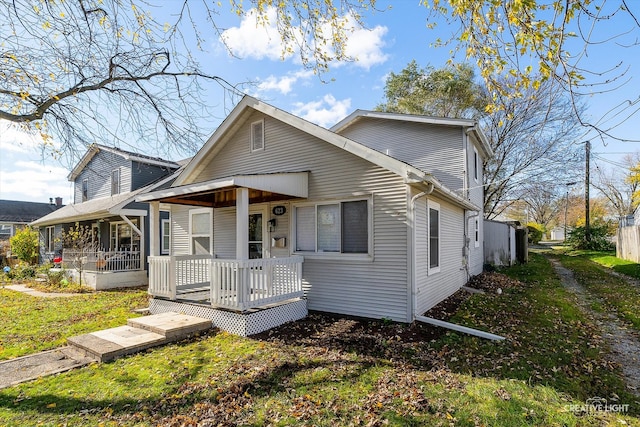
101,260
628,243
234,284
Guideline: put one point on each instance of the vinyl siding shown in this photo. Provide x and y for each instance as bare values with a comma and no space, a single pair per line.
224,232
371,288
432,148
180,230
98,173
435,287
476,196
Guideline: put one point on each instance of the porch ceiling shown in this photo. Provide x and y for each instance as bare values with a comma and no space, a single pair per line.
221,192
224,198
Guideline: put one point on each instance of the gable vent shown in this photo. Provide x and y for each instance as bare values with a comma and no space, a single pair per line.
257,136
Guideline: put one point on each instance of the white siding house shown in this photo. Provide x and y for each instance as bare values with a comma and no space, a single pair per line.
375,217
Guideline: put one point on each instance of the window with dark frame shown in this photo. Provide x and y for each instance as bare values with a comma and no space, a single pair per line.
475,164
434,237
341,227
477,232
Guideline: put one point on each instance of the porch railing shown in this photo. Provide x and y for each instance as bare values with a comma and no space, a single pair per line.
101,261
233,284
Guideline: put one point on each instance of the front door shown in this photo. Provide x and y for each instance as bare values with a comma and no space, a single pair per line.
256,235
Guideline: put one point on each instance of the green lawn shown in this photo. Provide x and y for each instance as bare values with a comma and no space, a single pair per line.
31,324
553,358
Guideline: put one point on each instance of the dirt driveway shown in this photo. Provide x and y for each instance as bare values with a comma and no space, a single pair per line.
624,343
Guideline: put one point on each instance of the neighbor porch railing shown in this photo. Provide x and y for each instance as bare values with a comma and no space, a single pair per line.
233,284
101,261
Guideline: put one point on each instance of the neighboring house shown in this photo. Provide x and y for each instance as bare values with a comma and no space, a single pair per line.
15,214
380,217
106,181
557,234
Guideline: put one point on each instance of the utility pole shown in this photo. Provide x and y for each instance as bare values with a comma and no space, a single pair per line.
587,229
566,207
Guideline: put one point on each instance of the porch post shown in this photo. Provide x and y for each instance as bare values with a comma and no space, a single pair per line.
242,244
154,214
242,223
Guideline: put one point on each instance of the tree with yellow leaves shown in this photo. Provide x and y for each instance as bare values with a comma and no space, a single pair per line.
535,41
108,70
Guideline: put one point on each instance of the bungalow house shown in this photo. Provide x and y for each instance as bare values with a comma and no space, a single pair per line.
378,217
106,182
17,214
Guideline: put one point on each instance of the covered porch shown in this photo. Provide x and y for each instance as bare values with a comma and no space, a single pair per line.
255,279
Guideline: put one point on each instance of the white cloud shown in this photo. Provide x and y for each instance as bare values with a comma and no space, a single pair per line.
260,39
254,38
33,181
13,139
325,112
366,46
283,84
23,173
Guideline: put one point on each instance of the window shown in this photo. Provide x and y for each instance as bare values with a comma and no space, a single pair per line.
341,227
434,236
476,165
115,182
122,237
49,239
6,231
85,190
200,225
257,136
165,236
477,232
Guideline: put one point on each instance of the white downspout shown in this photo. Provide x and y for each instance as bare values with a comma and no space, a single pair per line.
414,303
459,328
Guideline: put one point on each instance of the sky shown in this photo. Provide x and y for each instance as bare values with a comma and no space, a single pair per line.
392,39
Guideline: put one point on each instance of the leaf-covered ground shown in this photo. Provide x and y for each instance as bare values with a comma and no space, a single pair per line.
338,370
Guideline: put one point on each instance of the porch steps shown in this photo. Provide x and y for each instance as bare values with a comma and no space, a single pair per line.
139,334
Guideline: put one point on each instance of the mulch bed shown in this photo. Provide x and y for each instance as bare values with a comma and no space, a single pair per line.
378,337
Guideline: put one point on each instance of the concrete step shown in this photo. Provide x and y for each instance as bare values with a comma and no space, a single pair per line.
171,325
139,334
110,344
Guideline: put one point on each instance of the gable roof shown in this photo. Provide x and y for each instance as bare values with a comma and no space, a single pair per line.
469,124
128,155
19,212
248,104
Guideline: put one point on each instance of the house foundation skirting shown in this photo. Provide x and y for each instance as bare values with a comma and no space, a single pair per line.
102,280
243,324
